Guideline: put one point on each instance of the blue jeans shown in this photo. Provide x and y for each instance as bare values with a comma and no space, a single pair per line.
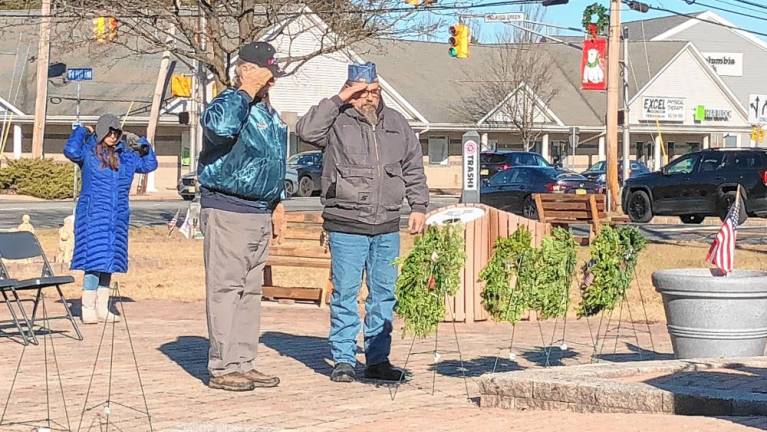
93,280
351,254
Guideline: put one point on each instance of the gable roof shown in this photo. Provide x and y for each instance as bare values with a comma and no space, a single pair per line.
712,17
648,29
433,82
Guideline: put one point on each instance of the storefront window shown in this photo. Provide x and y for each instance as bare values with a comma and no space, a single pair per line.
438,151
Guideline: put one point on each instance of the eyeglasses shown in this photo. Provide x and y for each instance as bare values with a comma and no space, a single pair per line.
116,132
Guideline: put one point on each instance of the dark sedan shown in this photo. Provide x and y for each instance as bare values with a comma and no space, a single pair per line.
492,162
309,167
512,190
597,171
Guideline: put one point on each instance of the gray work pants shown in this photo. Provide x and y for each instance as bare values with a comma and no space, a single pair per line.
236,247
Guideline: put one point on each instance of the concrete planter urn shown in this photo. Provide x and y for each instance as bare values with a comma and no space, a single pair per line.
714,316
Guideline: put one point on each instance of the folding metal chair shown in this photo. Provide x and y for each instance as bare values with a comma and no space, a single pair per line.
24,245
7,286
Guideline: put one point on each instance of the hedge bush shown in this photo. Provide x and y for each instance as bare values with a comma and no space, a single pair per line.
40,178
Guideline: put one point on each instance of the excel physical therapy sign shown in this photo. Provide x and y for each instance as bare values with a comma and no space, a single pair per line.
661,108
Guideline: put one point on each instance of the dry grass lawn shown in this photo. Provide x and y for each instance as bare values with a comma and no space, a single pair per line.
172,268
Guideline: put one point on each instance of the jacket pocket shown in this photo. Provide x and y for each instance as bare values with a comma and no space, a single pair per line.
394,187
353,185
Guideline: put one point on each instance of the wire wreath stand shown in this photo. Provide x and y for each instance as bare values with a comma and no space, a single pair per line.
547,347
48,424
103,419
437,357
603,334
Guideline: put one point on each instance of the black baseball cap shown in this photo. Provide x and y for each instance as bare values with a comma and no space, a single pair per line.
261,54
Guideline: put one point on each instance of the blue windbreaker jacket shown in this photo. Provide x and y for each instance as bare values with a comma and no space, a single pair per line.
244,148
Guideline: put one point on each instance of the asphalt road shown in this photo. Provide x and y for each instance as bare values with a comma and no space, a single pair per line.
155,213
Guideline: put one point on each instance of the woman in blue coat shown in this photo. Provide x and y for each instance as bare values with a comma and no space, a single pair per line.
108,159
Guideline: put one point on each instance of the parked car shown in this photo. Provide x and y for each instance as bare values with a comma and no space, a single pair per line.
309,168
291,181
187,186
512,189
492,162
700,184
598,171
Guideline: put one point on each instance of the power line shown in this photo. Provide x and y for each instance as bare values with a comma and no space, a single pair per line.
662,9
752,3
730,11
297,14
759,11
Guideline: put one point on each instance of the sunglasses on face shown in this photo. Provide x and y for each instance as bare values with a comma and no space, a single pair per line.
116,133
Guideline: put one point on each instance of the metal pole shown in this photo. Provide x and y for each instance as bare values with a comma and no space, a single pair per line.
613,59
77,168
626,127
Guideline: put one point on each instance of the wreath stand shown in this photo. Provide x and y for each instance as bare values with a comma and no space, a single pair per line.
102,420
47,424
437,356
546,348
616,328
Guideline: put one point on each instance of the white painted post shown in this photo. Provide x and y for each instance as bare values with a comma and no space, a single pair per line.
657,162
17,141
545,147
706,142
602,155
484,142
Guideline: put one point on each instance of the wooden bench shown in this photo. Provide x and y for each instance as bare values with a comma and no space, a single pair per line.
301,247
569,209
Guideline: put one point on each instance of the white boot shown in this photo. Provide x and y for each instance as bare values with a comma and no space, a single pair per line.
102,305
88,309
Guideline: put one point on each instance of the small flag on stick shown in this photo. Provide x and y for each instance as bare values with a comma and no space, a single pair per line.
722,251
186,227
172,223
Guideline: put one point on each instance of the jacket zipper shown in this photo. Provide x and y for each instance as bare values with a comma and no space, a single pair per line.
380,175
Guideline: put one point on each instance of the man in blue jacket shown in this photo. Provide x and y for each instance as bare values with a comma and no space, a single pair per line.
242,174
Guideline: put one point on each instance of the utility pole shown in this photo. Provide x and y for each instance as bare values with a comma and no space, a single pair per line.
626,130
147,182
613,75
41,100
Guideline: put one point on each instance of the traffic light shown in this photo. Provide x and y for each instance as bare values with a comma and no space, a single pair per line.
105,29
459,41
554,2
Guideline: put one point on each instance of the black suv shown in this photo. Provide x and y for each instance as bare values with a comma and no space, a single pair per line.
700,184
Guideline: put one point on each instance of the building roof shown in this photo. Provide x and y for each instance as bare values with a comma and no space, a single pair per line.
648,29
433,82
120,76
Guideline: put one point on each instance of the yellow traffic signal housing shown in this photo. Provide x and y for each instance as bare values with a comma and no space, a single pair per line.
181,86
459,41
105,29
414,3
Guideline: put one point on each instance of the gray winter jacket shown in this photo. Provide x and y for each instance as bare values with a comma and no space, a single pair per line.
367,169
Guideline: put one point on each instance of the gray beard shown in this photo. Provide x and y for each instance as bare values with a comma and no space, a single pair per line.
370,115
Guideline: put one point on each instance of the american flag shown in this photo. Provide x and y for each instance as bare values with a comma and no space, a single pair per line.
722,251
173,222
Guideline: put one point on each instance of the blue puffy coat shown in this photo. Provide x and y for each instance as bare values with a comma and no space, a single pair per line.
102,214
244,148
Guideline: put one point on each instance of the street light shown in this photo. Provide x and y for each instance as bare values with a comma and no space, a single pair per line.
554,2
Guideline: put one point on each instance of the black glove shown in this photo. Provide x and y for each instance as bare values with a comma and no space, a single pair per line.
135,143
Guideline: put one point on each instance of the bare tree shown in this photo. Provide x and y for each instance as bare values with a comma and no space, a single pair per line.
515,83
211,31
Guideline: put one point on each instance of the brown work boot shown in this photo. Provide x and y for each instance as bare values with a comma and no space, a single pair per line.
234,381
261,380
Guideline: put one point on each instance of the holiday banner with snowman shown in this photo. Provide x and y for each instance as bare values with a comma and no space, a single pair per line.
594,64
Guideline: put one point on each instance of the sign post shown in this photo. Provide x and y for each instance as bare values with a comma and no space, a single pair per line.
471,178
78,75
574,139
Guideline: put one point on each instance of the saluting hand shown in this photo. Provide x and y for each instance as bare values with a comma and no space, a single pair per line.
350,91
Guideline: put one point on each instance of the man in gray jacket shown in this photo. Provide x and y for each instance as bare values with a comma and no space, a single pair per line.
372,162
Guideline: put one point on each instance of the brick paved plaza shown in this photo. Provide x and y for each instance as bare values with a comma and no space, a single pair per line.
170,340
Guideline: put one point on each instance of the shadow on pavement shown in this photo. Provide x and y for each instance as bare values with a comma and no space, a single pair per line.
475,367
312,351
191,353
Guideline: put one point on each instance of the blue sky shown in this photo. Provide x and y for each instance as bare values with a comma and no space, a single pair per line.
570,15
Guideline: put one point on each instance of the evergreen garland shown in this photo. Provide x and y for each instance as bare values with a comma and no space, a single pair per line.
543,276
430,273
614,255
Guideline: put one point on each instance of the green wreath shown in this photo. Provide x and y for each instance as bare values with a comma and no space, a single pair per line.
428,274
603,18
607,276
